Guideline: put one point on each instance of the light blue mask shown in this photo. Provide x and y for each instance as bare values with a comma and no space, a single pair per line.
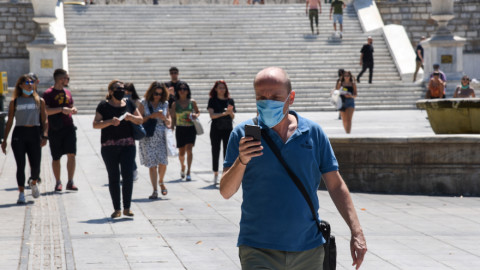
28,93
271,111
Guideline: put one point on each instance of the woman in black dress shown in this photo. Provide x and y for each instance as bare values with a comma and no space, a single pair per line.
222,111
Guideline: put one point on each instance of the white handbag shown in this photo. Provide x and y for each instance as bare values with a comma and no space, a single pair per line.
336,100
198,126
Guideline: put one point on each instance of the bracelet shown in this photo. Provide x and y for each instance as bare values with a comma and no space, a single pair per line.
239,159
44,137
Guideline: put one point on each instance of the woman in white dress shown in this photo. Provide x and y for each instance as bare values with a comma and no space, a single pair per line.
153,150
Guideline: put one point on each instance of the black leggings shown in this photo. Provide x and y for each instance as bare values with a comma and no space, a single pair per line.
216,138
26,140
119,160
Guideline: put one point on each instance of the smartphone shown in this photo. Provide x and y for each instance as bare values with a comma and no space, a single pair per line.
253,131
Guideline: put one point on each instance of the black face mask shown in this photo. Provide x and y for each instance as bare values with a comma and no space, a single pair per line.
118,94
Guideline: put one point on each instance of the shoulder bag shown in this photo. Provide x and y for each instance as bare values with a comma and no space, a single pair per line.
330,259
137,130
150,125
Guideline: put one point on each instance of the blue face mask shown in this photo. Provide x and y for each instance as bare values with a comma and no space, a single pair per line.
129,96
28,93
465,86
271,111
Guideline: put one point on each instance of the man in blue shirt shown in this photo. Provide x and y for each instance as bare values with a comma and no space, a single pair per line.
276,228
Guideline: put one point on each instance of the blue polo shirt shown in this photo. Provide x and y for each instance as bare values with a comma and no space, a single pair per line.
274,213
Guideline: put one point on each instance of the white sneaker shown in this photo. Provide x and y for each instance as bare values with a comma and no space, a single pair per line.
21,198
35,191
215,180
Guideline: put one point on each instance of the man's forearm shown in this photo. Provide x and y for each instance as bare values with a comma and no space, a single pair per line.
232,179
341,198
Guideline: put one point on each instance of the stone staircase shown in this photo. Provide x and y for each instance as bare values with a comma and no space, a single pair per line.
139,43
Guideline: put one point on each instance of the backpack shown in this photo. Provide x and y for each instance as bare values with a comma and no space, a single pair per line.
436,90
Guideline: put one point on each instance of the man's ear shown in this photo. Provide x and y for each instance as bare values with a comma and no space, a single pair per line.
292,97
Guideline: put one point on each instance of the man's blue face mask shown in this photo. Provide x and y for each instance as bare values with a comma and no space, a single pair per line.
271,111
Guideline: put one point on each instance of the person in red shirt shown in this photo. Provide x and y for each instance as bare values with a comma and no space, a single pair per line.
61,130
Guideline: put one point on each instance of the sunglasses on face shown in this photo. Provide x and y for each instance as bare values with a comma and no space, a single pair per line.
29,82
119,89
157,94
466,80
183,89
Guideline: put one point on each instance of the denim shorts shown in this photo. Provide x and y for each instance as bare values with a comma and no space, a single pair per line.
348,103
338,18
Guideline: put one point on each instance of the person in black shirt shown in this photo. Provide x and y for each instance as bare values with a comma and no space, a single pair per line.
114,116
419,58
366,60
173,85
222,111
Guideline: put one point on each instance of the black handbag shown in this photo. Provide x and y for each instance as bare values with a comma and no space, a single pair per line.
150,125
330,259
137,130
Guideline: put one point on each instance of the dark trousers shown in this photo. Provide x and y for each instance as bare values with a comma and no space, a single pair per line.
216,138
370,71
119,159
26,140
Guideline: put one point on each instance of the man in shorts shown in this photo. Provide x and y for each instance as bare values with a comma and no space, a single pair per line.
337,7
61,130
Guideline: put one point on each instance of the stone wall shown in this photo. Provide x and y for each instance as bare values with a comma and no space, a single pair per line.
16,29
415,17
437,165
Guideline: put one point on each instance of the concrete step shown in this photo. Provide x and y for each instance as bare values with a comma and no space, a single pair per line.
209,43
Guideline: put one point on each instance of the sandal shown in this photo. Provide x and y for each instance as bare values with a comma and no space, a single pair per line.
164,190
154,195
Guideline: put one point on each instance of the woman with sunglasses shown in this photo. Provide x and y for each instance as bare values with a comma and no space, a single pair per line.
183,110
348,91
114,117
222,112
464,90
153,150
29,134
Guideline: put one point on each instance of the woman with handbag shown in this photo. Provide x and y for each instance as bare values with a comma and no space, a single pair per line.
29,134
222,112
153,148
183,111
348,93
131,94
115,117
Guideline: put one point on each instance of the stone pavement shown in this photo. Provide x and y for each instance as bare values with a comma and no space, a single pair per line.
193,227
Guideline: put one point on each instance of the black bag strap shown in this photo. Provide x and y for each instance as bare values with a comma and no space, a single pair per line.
292,175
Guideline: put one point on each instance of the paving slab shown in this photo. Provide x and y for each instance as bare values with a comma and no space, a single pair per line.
193,227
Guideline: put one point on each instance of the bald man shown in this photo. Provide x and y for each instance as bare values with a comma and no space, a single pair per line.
277,226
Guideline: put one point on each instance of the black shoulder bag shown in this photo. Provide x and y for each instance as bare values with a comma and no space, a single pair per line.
150,125
330,260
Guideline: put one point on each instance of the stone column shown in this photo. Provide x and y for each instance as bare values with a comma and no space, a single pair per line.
49,49
443,47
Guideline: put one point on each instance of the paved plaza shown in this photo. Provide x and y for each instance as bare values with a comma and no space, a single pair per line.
193,227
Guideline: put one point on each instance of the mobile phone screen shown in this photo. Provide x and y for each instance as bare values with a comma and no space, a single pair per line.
253,131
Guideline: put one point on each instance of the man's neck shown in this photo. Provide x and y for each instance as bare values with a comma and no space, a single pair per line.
58,86
286,127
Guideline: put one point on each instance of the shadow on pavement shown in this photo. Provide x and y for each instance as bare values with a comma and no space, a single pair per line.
15,204
106,220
